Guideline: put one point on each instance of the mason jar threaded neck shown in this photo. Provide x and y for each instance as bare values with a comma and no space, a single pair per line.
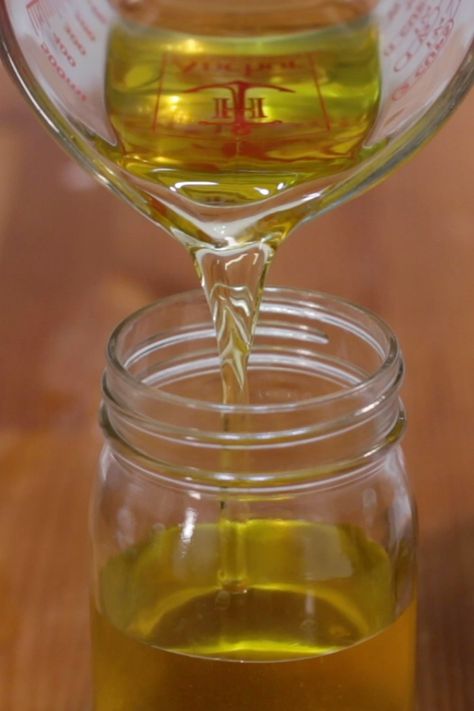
324,380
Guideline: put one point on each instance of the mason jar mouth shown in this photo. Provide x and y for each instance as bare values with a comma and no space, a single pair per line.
324,377
317,307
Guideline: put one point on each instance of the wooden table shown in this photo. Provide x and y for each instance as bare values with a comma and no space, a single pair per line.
74,260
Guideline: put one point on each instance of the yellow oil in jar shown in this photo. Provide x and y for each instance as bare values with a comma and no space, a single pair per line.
312,623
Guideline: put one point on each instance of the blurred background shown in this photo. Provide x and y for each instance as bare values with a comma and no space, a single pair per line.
74,261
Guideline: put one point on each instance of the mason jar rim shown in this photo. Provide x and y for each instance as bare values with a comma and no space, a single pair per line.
392,357
300,334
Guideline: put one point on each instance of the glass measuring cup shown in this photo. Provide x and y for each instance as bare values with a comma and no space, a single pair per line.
288,162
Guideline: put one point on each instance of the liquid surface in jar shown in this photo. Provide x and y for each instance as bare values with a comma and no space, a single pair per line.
235,120
308,621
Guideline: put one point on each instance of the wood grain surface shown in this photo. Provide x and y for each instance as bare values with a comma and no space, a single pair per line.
74,260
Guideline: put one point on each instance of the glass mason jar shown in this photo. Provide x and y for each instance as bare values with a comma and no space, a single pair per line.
258,557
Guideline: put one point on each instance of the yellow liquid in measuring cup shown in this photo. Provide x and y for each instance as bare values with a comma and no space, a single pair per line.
228,121
311,626
234,120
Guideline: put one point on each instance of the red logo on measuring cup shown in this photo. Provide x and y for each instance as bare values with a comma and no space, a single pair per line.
236,109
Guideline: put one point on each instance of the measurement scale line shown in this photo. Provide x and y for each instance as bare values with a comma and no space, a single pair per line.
327,120
159,90
39,12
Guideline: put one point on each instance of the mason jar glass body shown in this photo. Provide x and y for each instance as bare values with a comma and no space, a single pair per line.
259,557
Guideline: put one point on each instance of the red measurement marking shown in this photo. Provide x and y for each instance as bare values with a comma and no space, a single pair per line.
394,10
64,50
61,73
39,13
85,27
431,30
238,106
75,40
314,72
395,116
97,13
156,112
